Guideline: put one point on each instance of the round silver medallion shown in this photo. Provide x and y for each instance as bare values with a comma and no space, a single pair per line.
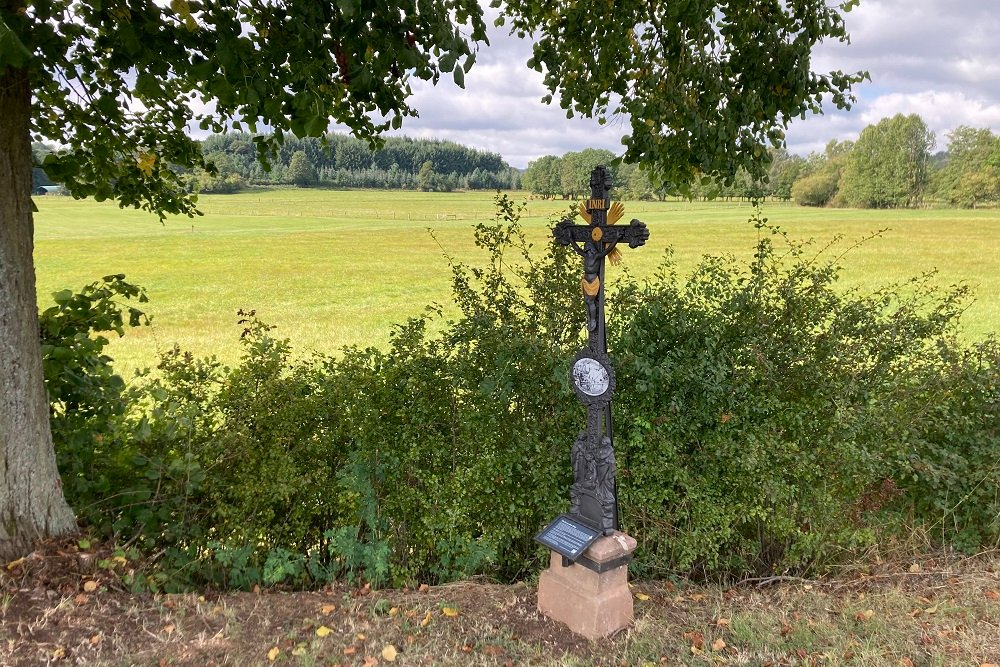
591,377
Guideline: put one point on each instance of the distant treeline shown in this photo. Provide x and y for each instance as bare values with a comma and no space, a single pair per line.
890,165
568,177
346,162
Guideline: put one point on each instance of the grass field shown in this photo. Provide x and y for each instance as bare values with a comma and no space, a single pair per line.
334,268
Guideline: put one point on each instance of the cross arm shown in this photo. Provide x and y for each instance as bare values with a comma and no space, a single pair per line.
634,234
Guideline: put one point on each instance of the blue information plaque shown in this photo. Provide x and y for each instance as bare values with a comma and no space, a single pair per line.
568,536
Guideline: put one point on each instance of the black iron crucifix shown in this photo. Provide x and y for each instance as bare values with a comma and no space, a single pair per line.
594,494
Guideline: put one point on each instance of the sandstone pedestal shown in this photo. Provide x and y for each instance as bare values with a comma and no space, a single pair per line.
591,596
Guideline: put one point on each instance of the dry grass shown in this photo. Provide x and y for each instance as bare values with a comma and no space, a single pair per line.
921,613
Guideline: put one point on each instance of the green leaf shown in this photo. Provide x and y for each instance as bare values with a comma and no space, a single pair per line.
62,297
447,62
13,52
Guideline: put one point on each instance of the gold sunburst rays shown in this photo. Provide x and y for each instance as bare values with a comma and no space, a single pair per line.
615,214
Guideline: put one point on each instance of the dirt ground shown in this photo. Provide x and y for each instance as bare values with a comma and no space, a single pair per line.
63,605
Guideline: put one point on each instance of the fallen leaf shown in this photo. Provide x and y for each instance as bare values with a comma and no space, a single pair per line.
785,629
299,650
90,586
168,629
394,611
641,596
423,588
993,595
801,652
370,661
95,640
350,650
865,615
718,644
466,648
722,622
696,639
59,653
81,599
389,653
989,664
360,636
450,611
695,650
490,649
906,662
427,620
14,563
121,560
323,631
697,597
931,610
328,609
273,654
914,569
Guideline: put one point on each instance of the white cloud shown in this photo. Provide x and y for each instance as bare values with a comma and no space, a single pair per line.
500,109
938,60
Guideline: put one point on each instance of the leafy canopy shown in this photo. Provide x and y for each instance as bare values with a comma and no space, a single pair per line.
121,83
888,166
707,86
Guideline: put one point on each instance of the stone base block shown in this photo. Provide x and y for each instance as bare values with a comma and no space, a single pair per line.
593,600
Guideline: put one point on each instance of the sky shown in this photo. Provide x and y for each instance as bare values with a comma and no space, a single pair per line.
935,58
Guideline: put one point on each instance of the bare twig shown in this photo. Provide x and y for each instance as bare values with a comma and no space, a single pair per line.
762,582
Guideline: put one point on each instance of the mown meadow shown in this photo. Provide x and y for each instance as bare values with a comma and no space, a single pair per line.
334,268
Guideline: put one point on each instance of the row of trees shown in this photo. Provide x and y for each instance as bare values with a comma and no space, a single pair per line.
343,161
567,176
889,166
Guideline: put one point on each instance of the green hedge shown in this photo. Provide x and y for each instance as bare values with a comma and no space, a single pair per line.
766,421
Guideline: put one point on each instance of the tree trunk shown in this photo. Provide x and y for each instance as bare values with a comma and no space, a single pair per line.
32,505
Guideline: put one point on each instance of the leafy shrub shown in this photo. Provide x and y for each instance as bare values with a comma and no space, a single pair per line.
816,189
86,396
764,412
947,418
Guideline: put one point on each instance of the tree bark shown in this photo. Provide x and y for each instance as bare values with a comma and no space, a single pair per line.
32,505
